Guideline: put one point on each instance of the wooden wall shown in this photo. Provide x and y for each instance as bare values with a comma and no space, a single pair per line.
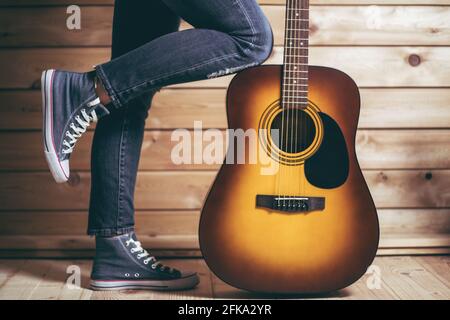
397,51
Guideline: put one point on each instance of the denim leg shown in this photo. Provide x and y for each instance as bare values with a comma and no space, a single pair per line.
229,35
118,137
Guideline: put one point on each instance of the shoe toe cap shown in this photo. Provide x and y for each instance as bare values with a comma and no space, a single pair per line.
188,274
65,168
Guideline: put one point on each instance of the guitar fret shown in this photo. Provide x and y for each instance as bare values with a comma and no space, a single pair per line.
295,98
289,88
295,72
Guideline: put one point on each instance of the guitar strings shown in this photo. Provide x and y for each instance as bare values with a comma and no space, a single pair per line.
302,112
290,110
295,96
296,85
285,98
281,141
296,99
305,115
291,95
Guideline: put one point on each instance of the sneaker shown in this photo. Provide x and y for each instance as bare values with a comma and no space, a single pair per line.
70,105
121,263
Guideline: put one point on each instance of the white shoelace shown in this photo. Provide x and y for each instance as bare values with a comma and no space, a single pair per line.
144,254
78,129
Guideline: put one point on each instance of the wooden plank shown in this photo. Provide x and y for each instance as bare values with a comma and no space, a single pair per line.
84,242
377,149
402,278
330,25
171,108
368,66
21,27
409,188
421,231
53,284
373,25
404,108
402,231
179,108
363,288
38,191
177,223
409,280
22,285
148,223
439,266
190,242
412,251
89,253
8,269
405,149
421,221
202,291
187,253
415,240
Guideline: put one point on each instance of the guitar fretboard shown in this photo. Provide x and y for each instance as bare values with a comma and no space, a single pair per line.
295,72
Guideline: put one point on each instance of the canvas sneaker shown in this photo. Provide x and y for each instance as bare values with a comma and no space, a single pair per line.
121,263
70,106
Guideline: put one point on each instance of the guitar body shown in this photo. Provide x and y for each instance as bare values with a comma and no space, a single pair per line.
258,248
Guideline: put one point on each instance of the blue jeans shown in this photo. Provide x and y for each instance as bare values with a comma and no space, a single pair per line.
149,53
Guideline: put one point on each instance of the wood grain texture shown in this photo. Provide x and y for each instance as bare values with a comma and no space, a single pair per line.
414,278
190,242
164,230
183,222
179,108
377,149
368,66
37,190
330,25
369,39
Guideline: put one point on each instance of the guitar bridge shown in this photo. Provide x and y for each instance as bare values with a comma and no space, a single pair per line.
290,204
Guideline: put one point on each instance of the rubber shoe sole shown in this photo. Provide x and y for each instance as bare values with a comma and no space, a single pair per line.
58,169
183,283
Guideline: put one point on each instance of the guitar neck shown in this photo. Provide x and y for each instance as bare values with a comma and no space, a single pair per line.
295,71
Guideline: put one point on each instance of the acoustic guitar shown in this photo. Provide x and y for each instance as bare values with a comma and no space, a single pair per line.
309,225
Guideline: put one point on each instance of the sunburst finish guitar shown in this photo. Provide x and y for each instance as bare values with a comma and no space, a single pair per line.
310,226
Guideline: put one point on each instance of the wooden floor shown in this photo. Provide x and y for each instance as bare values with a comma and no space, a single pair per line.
406,277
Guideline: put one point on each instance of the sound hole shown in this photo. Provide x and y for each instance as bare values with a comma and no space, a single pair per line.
293,130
